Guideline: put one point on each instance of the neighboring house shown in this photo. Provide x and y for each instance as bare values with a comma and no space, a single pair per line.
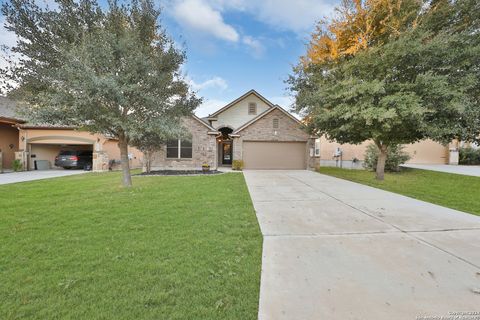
352,156
30,143
8,133
251,129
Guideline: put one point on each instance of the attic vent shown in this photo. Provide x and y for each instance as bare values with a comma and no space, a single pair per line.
252,108
275,123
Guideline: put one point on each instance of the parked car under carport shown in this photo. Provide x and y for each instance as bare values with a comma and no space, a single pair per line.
74,159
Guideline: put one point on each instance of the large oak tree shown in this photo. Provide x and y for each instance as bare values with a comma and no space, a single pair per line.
112,71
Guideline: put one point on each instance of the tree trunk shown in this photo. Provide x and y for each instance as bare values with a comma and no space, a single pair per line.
148,160
382,158
123,145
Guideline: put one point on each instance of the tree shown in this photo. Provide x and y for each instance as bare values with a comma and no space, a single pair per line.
360,24
150,140
114,72
422,83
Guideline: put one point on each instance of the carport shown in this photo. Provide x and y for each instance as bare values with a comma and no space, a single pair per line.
43,145
42,155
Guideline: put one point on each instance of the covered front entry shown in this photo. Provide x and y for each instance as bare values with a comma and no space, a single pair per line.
274,155
225,147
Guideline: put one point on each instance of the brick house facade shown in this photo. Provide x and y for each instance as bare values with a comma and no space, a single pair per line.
273,137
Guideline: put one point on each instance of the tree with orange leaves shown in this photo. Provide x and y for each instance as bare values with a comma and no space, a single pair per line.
358,25
394,72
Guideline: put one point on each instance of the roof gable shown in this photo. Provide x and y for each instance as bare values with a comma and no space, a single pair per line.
263,114
234,102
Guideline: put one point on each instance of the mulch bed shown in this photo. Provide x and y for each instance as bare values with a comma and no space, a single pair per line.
179,173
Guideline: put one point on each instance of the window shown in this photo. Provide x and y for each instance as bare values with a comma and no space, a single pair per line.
252,108
185,149
179,149
317,147
275,123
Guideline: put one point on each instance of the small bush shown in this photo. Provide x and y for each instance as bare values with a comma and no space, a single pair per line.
469,156
237,165
17,165
395,157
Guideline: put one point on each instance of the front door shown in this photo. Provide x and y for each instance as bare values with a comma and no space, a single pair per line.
227,152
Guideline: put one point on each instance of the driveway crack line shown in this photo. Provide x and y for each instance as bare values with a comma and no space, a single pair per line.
408,233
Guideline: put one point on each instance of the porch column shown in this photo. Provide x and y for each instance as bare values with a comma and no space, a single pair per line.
1,162
99,161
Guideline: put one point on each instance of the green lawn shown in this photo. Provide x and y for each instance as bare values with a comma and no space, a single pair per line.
83,247
445,189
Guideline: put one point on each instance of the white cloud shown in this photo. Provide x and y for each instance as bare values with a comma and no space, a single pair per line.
198,15
256,47
299,16
209,106
215,82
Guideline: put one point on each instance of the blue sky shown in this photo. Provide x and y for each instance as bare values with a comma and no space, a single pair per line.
237,45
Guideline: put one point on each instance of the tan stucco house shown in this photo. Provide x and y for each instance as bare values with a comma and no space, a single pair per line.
250,129
352,156
31,143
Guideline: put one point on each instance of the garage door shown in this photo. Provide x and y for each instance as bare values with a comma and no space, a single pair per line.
274,155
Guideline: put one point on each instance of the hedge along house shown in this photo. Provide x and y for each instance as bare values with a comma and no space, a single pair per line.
249,129
32,143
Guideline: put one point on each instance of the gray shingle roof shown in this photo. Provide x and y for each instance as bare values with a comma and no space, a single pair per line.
7,108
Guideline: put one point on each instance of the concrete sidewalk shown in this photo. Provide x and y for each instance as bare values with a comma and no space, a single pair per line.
14,177
334,249
463,170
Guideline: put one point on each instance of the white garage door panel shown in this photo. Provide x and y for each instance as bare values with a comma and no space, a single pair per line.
274,155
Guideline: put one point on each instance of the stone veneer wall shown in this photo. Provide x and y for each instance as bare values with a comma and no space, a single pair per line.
204,150
288,130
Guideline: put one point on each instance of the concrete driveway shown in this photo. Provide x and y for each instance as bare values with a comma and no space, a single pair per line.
334,249
463,170
14,177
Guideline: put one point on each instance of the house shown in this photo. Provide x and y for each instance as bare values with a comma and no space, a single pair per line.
333,154
251,129
30,143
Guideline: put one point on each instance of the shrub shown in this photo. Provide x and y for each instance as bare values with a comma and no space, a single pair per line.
395,157
17,165
237,165
469,156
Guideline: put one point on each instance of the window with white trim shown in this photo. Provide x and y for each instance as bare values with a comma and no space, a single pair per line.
275,123
252,108
317,147
179,149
